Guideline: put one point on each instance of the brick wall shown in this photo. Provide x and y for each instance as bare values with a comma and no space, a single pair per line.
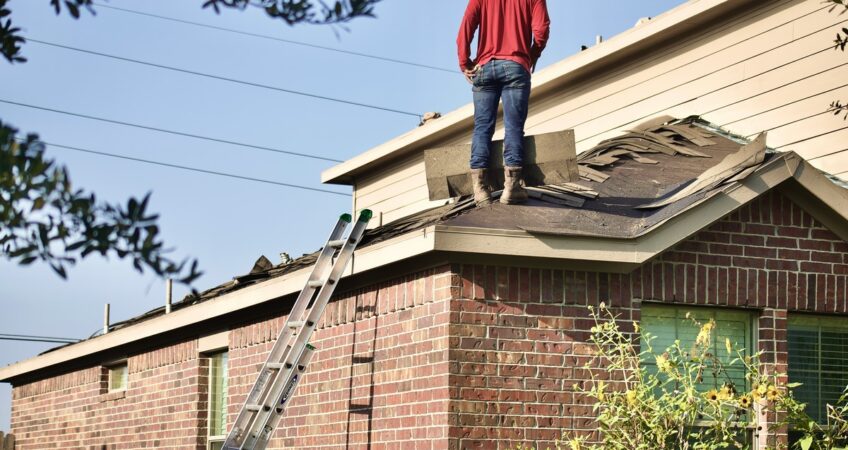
460,356
379,378
161,406
519,336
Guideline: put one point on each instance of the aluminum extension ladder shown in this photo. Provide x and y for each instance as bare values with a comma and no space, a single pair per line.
288,359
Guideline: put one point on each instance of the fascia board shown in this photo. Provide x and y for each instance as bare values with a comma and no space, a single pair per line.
462,118
367,258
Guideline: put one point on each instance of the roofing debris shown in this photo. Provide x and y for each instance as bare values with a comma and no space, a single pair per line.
628,185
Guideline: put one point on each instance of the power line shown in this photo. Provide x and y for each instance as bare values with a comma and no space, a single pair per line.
195,169
274,38
24,337
221,78
163,130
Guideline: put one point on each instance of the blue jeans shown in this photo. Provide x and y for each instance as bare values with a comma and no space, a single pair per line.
495,80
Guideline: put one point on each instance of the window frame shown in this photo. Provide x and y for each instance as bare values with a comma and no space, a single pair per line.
110,367
817,323
212,439
752,325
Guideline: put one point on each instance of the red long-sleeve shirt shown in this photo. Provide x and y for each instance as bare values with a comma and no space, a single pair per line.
516,30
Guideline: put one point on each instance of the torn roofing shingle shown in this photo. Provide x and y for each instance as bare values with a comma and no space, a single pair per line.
679,152
653,161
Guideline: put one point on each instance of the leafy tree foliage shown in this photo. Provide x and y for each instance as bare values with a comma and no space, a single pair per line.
839,107
44,219
316,12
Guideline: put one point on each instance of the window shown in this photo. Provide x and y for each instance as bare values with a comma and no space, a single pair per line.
218,382
669,323
818,358
118,377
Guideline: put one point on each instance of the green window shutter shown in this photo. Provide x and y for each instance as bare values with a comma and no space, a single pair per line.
669,323
818,358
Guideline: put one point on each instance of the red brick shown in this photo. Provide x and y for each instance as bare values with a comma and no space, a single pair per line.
824,234
714,260
793,232
782,242
759,229
808,244
808,266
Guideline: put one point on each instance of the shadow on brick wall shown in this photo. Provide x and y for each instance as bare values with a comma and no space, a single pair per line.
357,407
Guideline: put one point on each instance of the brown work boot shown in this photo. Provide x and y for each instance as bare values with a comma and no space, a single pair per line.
514,191
482,187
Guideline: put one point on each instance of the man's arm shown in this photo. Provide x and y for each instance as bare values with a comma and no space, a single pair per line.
541,30
470,22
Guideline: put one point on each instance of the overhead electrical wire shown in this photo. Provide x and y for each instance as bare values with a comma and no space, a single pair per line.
194,169
274,38
163,130
227,79
28,338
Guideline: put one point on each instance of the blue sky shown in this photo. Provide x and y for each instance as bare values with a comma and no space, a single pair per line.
226,223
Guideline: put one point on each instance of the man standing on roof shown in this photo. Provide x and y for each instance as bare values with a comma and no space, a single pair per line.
512,35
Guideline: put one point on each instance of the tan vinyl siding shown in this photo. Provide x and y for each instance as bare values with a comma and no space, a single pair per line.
771,67
395,192
746,68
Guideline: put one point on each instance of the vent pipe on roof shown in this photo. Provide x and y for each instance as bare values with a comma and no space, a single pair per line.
106,319
169,287
599,39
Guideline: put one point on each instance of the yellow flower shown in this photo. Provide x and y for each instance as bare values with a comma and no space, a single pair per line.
711,395
745,401
574,444
728,346
631,397
725,393
772,393
704,335
662,363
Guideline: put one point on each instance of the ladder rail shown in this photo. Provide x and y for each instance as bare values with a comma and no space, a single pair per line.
279,351
278,386
265,416
288,358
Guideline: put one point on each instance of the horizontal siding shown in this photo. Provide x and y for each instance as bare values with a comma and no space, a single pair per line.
397,191
780,77
772,69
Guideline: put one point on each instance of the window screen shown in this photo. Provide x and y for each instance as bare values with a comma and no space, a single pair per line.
217,396
669,323
818,358
118,377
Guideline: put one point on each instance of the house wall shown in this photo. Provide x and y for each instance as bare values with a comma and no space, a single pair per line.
380,377
458,356
164,406
519,336
771,68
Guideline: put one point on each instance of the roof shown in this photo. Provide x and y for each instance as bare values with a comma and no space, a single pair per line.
646,35
639,194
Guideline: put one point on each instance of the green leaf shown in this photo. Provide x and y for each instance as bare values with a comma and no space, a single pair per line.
805,442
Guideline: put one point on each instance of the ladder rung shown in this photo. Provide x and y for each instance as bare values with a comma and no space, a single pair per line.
339,243
295,324
315,283
253,407
273,365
